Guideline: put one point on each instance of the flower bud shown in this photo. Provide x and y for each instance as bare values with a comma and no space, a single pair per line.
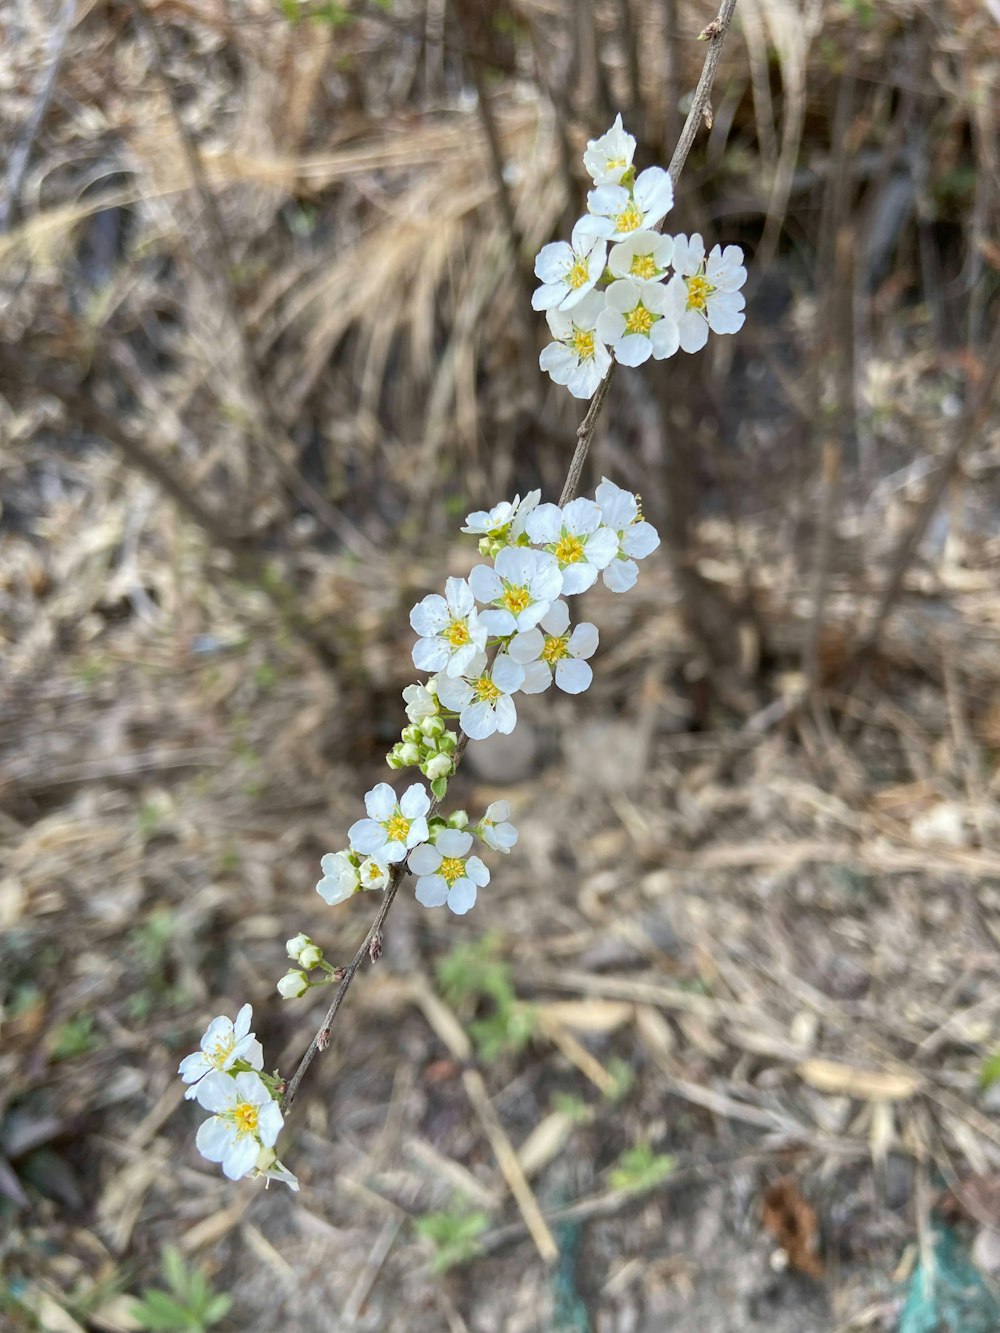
433,726
295,945
439,766
412,735
293,984
409,754
393,759
311,956
447,743
459,820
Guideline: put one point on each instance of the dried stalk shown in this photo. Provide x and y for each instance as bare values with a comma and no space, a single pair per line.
269,430
715,35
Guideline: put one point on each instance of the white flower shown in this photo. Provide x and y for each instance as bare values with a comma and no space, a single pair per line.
392,826
634,322
421,701
493,828
246,1117
301,950
447,873
552,649
519,587
616,212
505,520
293,984
340,878
636,537
608,158
574,536
268,1168
221,1046
449,628
643,256
704,294
482,699
568,272
577,358
374,873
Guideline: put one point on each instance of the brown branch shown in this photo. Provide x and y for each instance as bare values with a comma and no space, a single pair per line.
371,944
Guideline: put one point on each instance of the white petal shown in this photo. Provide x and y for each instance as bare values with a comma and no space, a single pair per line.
581,517
578,578
507,674
573,676
380,802
640,540
555,621
432,891
478,721
665,338
241,1025
424,860
454,842
618,506
217,1092
602,547
584,380
214,1137
654,193
506,715
485,584
499,622
462,897
583,640
415,802
553,261
430,616
693,331
366,836
477,871
633,349
526,647
537,677
544,524
240,1157
621,575
430,654
548,296
459,597
270,1123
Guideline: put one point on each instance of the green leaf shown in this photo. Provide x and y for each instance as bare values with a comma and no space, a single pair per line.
439,787
217,1308
640,1169
160,1313
989,1073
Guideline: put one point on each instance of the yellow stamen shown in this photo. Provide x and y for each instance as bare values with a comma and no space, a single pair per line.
639,320
246,1116
615,162
397,828
457,633
554,649
578,274
630,219
583,343
568,550
516,599
699,290
486,691
643,266
451,869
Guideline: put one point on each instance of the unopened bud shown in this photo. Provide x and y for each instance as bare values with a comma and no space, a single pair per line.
296,944
409,754
433,726
459,819
439,766
292,985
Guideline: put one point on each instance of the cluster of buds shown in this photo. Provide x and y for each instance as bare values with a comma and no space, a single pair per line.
428,744
309,956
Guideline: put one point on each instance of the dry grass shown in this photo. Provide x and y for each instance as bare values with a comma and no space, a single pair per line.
756,935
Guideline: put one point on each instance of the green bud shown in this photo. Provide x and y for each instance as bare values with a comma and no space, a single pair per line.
447,743
433,726
409,754
412,734
459,819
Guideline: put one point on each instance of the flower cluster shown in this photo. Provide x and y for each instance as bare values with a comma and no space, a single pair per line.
619,289
225,1076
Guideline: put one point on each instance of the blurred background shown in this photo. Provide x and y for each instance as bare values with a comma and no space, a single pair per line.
731,1011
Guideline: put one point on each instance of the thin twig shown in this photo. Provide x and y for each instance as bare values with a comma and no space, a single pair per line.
371,944
20,154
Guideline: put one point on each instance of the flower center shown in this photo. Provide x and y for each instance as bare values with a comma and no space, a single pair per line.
583,343
643,266
614,163
397,828
246,1116
699,290
639,320
579,274
451,869
372,871
486,691
221,1051
554,649
457,633
630,219
568,550
516,599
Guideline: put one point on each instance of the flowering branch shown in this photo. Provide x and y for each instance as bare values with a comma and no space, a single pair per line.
620,292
